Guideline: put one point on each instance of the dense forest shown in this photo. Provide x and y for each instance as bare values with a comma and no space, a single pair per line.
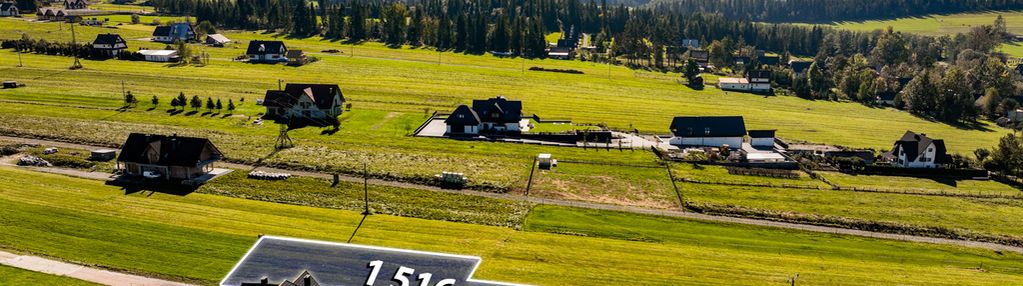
817,11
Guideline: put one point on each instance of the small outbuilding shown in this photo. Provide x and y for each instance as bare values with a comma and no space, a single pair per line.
103,155
217,40
160,55
761,138
10,84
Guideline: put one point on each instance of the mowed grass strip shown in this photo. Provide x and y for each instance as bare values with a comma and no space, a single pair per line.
200,236
719,174
986,216
382,199
15,276
926,185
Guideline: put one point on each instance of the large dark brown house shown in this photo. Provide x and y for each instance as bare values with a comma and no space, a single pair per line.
167,157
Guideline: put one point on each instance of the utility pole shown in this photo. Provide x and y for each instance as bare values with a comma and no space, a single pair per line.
74,45
19,58
122,89
438,56
279,81
365,187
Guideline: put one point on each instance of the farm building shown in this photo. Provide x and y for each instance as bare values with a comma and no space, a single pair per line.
217,40
701,57
319,102
8,9
708,131
755,81
916,150
160,55
769,60
76,4
267,51
174,32
561,53
51,14
733,83
167,157
761,138
10,84
109,45
493,115
296,57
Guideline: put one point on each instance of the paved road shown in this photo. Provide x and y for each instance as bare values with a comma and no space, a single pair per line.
600,206
105,277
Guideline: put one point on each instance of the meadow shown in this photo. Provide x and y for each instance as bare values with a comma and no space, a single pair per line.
87,222
974,218
925,185
938,25
395,201
392,92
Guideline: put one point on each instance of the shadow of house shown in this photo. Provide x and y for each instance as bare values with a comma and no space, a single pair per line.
300,105
158,158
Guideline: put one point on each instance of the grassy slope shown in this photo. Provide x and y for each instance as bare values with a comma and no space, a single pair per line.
910,183
14,276
410,80
383,200
936,25
992,216
85,221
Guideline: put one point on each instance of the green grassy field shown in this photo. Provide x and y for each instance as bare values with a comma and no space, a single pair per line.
986,187
383,200
87,222
937,25
15,276
719,174
964,215
393,91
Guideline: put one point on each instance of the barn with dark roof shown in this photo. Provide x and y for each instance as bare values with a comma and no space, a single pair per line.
708,131
167,157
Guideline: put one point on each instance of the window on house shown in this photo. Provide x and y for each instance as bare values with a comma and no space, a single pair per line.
461,116
706,131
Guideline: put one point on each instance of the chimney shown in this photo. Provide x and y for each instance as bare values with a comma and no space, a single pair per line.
264,281
307,281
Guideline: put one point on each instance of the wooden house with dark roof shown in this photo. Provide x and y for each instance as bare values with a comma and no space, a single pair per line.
463,121
109,45
916,150
267,52
167,157
8,9
492,115
76,4
174,32
315,102
708,131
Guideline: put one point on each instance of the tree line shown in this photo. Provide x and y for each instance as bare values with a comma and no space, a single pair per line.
818,11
